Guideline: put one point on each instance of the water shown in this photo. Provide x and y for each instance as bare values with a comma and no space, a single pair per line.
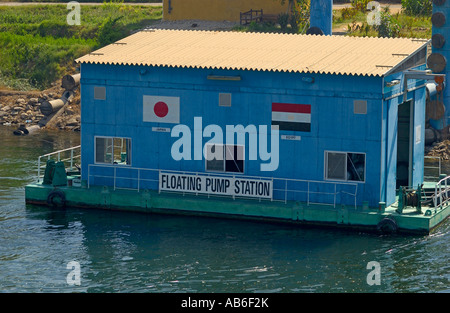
126,252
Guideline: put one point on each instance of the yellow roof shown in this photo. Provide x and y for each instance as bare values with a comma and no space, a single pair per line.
258,51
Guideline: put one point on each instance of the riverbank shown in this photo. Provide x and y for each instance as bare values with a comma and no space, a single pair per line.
23,108
39,45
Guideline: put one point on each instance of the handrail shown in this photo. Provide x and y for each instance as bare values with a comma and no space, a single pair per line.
285,189
58,154
433,167
441,194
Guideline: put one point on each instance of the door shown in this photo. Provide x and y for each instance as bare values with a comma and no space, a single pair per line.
404,144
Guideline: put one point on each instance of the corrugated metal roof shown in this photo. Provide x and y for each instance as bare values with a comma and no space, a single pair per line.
258,51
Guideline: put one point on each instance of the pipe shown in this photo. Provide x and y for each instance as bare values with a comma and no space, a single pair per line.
70,82
49,107
22,130
431,90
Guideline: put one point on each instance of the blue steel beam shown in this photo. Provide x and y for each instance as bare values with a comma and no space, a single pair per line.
321,15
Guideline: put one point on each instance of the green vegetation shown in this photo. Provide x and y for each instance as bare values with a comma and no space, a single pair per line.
413,21
418,7
398,24
38,45
94,1
296,20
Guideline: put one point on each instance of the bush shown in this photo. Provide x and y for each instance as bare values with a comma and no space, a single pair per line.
37,46
294,21
110,31
388,27
283,20
360,5
348,13
418,7
57,29
39,60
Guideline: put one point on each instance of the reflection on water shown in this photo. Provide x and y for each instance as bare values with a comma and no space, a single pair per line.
127,252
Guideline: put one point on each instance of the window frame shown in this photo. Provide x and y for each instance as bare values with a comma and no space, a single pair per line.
112,151
325,174
224,159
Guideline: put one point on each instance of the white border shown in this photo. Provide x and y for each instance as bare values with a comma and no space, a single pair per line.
224,171
112,164
325,167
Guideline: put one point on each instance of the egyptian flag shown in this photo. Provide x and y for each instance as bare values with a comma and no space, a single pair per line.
161,109
289,116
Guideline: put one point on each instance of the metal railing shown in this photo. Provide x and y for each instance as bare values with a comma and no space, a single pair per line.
284,189
441,193
65,155
431,171
250,16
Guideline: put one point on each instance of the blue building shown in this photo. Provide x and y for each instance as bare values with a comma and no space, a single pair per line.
348,130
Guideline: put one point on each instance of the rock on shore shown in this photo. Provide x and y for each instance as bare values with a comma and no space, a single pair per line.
439,149
23,108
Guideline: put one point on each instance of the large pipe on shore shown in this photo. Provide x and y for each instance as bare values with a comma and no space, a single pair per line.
70,82
22,130
49,107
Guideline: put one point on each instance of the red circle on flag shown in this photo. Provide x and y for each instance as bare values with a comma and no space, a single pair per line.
161,109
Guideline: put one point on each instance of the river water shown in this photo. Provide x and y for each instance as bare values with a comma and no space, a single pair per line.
127,252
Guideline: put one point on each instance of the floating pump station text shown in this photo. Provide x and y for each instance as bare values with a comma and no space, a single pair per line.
217,185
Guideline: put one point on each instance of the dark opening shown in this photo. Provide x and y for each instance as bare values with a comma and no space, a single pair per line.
403,144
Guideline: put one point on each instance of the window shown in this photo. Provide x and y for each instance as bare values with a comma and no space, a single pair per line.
224,158
99,93
110,150
336,165
345,166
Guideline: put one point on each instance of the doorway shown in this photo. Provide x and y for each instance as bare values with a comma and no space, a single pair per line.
404,144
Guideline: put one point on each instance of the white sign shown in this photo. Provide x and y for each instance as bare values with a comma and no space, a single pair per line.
217,185
418,133
161,129
290,137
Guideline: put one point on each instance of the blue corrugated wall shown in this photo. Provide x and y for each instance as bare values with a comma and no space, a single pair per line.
334,126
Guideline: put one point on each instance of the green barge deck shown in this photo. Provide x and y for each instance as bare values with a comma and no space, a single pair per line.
147,201
419,215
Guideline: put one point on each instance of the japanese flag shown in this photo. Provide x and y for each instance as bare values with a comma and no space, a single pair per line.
161,109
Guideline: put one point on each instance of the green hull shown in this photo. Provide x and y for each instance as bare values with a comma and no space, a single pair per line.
361,218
